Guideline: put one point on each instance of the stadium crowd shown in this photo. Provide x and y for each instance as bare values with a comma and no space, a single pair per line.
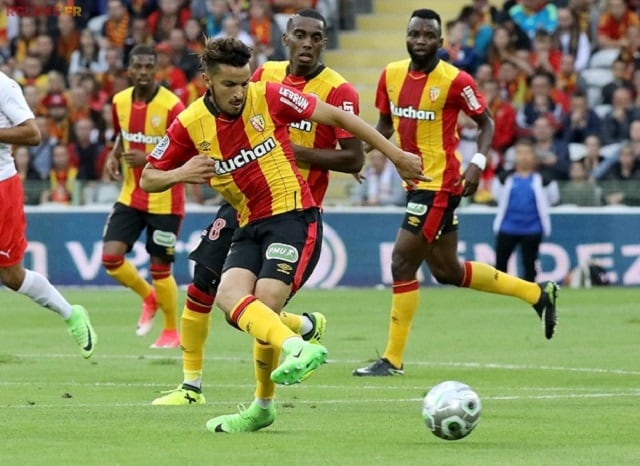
564,74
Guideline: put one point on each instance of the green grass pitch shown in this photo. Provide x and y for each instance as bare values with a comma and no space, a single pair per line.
570,401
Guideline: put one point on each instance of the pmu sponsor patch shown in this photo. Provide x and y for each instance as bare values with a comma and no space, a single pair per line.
283,252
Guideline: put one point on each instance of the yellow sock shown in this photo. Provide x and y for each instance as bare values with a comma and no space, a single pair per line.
404,304
194,329
265,360
483,277
260,321
127,275
167,296
293,321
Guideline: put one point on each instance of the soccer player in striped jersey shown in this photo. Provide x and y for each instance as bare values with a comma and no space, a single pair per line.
305,39
18,127
419,99
236,138
141,115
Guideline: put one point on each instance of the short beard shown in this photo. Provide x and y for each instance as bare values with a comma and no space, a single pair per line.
421,61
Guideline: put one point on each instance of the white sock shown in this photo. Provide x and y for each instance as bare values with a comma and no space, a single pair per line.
194,383
264,403
307,325
37,287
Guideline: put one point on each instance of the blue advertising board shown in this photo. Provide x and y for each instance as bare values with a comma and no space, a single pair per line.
65,244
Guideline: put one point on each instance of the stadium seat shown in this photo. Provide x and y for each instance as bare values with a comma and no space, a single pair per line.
577,151
597,77
604,58
602,110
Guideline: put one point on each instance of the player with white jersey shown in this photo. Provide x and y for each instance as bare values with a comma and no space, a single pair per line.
18,126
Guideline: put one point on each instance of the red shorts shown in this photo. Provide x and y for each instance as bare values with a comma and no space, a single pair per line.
13,223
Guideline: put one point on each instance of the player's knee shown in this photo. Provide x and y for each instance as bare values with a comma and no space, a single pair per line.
12,277
205,279
112,261
402,268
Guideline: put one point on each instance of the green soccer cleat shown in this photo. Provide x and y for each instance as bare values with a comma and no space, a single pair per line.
79,327
299,364
319,322
250,419
181,396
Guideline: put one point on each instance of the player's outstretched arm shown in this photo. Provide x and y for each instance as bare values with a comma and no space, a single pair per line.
349,158
198,169
409,165
24,134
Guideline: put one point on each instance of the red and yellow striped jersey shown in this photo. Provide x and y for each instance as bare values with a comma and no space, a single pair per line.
141,126
256,171
424,109
330,87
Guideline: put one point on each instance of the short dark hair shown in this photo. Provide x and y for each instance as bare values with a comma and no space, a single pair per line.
308,13
224,51
425,13
143,49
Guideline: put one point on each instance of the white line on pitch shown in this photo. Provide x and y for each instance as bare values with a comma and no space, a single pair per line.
466,365
632,394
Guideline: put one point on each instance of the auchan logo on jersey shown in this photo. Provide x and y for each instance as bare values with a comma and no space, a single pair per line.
140,137
245,156
413,113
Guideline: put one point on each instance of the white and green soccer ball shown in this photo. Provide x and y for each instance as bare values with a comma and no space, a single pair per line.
451,410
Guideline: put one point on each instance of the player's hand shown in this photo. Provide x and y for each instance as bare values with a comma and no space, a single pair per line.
112,168
198,169
471,180
135,158
409,168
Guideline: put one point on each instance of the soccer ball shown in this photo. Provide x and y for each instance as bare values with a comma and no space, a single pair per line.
451,410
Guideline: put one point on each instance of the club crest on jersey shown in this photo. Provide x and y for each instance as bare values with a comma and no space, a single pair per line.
155,121
257,122
434,93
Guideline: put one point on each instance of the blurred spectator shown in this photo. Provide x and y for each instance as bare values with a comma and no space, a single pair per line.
615,125
504,116
513,84
502,49
42,155
579,190
32,74
85,151
621,181
587,14
140,34
88,56
544,100
217,11
620,79
168,75
195,35
32,96
114,70
544,56
59,123
181,56
457,53
266,32
46,52
78,104
552,153
570,39
20,46
56,83
532,15
581,121
568,80
483,74
592,155
62,178
614,21
97,98
30,177
116,28
231,28
524,197
171,14
477,28
68,37
381,186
